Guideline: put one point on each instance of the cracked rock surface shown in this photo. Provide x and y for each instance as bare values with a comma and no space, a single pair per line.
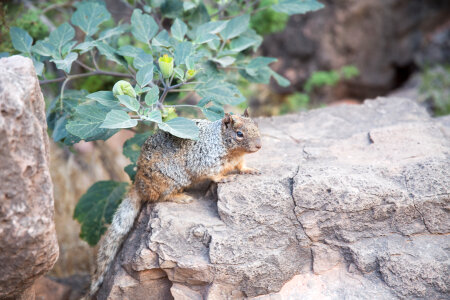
353,202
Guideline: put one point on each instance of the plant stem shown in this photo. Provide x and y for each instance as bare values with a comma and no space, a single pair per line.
94,60
75,76
180,90
184,105
84,66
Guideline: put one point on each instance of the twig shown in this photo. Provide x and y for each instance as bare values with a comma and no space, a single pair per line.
223,44
84,66
180,90
188,95
94,60
75,76
163,96
42,17
221,9
56,5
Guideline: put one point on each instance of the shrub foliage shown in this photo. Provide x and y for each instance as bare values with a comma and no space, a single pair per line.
174,47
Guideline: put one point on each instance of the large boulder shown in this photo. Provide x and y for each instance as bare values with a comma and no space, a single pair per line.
28,245
386,40
353,201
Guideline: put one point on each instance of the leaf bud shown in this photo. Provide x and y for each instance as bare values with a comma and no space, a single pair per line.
123,87
190,74
166,65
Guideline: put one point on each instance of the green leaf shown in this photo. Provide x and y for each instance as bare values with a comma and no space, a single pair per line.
243,42
89,15
140,91
178,29
132,150
143,26
187,5
206,37
213,27
259,62
132,146
66,63
44,48
96,208
118,30
199,15
284,82
204,101
142,59
118,119
59,131
181,127
20,39
221,92
225,61
86,122
179,73
172,8
129,51
131,170
129,102
61,36
182,51
292,7
152,96
190,62
68,47
162,39
145,75
38,66
105,98
154,116
235,27
213,113
258,70
110,53
85,46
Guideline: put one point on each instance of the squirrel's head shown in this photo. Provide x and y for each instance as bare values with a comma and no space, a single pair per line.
240,133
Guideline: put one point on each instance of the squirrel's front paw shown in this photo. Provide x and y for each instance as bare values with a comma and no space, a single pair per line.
182,198
226,179
250,171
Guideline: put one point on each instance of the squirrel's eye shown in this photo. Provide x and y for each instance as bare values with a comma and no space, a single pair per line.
239,134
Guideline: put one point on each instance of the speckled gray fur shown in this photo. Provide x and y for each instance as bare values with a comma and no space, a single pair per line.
201,158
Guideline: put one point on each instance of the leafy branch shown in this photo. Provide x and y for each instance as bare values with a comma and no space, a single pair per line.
174,47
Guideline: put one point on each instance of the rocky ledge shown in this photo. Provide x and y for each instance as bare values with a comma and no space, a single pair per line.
353,202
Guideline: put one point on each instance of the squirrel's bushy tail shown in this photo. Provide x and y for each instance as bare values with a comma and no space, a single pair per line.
121,224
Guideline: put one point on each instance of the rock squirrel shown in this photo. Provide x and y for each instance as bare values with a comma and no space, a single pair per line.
167,165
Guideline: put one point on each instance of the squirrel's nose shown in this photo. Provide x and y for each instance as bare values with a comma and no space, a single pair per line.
258,146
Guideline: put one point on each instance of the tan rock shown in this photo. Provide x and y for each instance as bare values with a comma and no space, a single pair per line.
28,245
352,203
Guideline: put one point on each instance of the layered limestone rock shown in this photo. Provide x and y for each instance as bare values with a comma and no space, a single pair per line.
28,245
353,201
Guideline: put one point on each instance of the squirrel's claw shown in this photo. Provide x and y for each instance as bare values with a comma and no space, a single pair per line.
251,171
226,179
182,198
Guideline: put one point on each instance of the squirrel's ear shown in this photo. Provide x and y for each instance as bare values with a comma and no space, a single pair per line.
226,120
246,113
